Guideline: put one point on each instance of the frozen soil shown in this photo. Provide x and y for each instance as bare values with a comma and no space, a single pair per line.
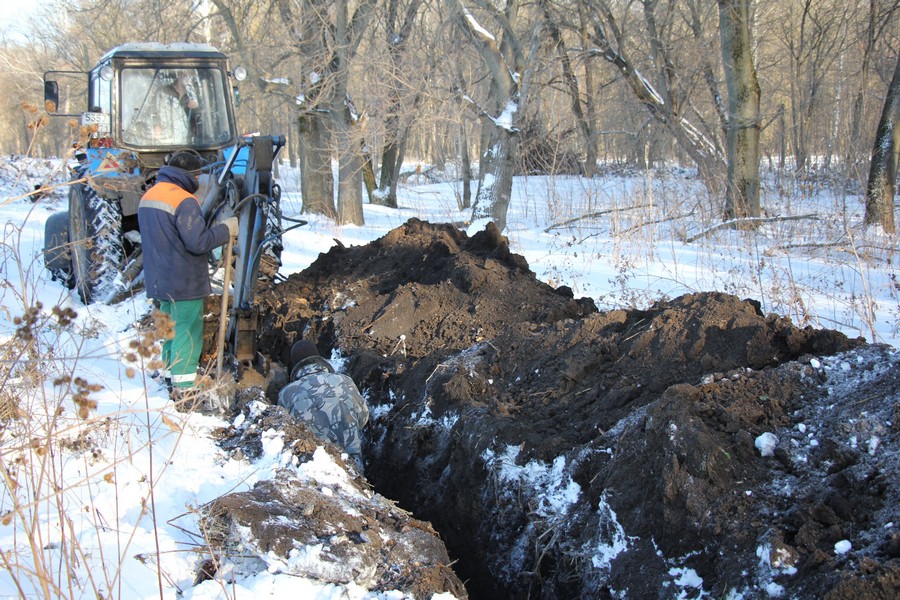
331,527
562,452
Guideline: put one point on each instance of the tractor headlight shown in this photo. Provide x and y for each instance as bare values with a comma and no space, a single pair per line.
240,73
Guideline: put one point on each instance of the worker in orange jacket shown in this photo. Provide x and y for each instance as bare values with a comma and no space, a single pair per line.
176,241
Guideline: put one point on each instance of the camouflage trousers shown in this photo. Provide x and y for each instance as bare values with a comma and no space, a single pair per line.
333,408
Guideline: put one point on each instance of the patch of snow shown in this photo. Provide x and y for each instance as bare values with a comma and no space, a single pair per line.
873,444
612,539
766,443
476,26
380,411
842,547
505,120
685,577
550,484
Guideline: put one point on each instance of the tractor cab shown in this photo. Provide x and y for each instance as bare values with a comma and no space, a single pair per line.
155,99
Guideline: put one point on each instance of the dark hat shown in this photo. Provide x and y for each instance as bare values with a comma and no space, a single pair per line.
179,177
302,349
188,161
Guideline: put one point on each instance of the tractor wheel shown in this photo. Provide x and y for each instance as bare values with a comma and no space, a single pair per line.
57,258
95,232
270,261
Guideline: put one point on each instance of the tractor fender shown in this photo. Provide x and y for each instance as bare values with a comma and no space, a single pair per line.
57,258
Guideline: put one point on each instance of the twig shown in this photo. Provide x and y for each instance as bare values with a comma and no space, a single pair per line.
749,221
658,221
840,246
593,215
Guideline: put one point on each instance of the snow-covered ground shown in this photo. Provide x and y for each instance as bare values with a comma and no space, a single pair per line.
109,506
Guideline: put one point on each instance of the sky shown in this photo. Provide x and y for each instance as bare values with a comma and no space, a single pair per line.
627,258
15,14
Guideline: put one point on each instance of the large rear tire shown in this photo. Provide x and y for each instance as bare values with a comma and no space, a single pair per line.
95,232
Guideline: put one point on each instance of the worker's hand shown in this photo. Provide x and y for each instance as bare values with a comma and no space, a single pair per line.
232,224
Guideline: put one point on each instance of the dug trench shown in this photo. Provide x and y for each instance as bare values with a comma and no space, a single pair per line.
564,452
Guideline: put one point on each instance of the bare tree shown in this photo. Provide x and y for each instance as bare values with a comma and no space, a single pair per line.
742,192
814,40
581,100
883,168
324,38
879,16
398,28
508,82
662,101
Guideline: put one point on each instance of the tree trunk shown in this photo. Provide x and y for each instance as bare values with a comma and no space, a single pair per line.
387,185
742,142
495,186
466,174
350,169
369,180
570,81
498,151
350,165
316,180
882,171
591,153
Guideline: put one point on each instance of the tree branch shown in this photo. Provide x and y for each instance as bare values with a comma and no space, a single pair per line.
749,221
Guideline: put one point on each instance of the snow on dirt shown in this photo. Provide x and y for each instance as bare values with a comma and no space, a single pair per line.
574,405
557,448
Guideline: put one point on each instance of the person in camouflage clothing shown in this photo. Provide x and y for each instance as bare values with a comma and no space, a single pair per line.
328,402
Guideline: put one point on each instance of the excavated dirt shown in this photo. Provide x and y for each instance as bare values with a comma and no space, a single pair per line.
334,529
562,452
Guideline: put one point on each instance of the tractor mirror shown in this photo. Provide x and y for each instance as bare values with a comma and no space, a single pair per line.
51,96
61,89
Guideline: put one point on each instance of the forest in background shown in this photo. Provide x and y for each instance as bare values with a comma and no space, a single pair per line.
543,87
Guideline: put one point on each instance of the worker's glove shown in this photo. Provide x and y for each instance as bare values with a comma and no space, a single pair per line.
232,224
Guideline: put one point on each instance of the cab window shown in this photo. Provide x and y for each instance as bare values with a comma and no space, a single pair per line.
185,107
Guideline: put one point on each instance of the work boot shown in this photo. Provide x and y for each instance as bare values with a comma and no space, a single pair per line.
163,379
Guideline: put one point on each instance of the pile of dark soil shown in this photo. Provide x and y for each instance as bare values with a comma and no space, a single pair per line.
562,452
332,528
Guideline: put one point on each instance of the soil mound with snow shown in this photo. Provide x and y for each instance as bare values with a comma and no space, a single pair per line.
325,524
696,448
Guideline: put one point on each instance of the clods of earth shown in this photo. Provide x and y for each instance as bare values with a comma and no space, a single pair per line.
541,448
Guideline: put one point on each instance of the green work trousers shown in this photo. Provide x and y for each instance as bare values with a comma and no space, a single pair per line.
182,353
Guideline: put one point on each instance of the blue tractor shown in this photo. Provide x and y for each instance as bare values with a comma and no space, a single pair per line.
146,103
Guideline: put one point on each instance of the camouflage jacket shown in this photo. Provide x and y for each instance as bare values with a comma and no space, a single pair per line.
329,403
